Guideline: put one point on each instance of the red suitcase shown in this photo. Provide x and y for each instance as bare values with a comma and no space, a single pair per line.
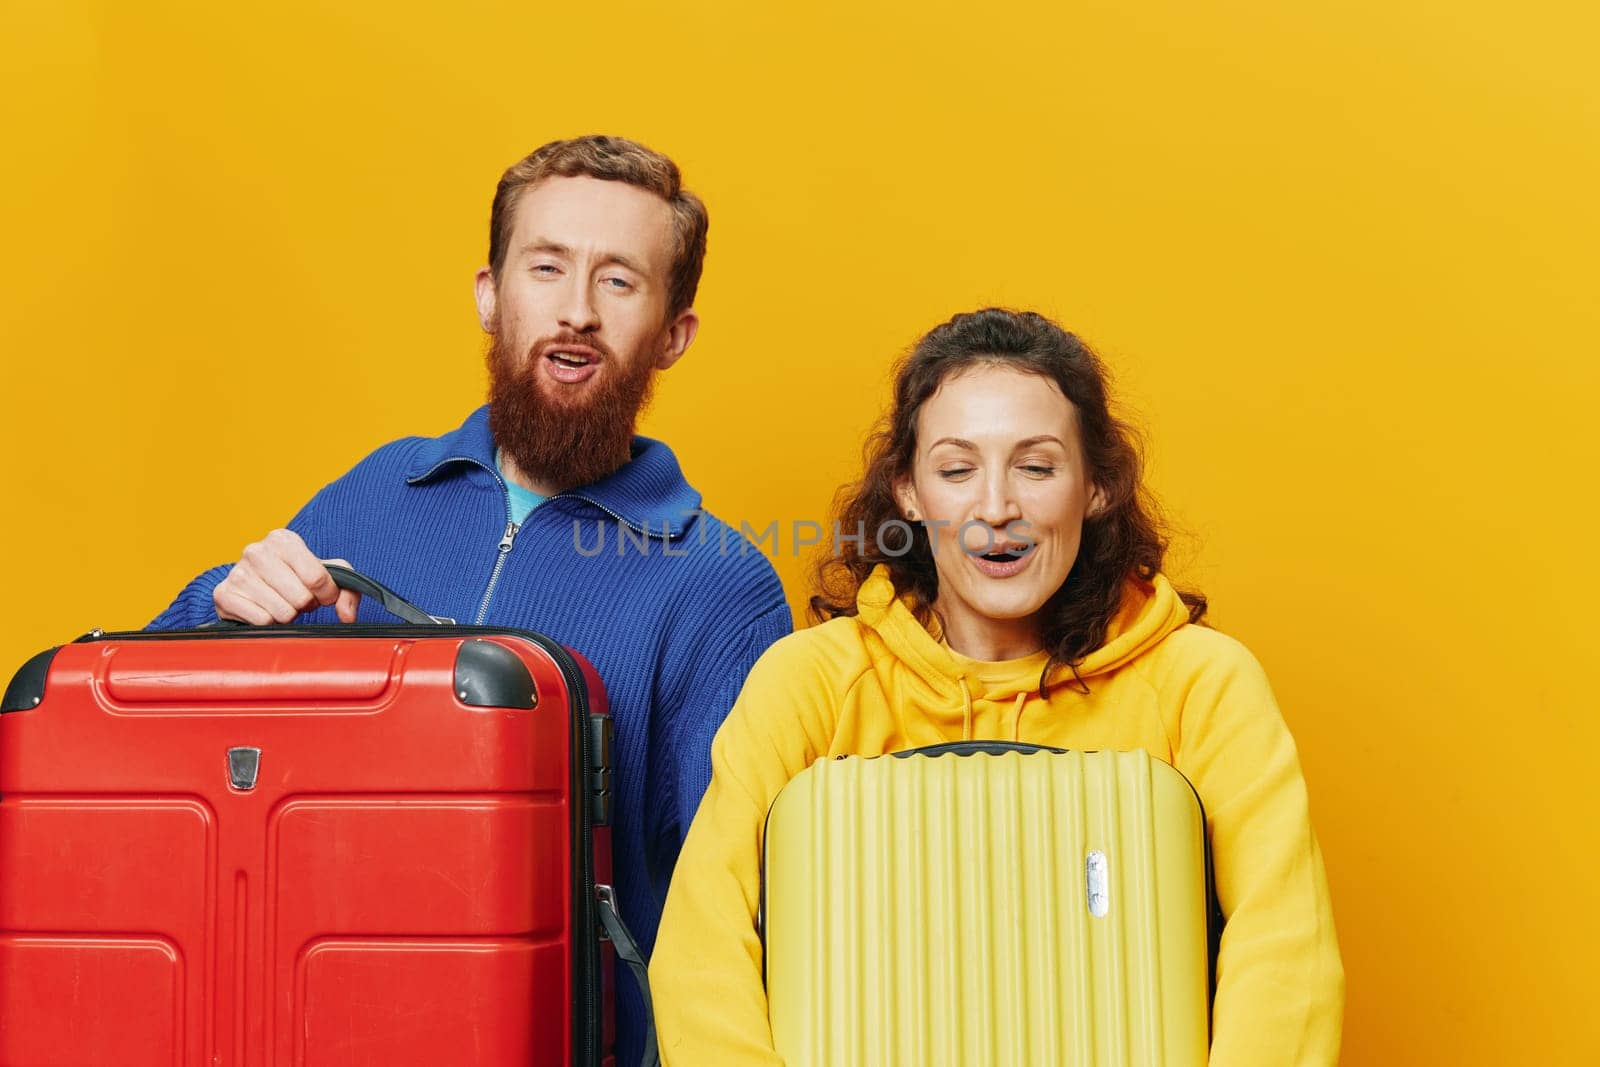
305,845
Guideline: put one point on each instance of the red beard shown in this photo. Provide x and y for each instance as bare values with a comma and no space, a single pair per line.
560,442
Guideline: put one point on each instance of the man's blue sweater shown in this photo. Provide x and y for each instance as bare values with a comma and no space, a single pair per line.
672,610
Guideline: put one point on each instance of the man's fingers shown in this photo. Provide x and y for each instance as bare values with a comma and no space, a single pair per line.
275,604
290,550
246,598
347,600
276,579
231,605
262,564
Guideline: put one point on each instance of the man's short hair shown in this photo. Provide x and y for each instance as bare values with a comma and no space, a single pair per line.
614,159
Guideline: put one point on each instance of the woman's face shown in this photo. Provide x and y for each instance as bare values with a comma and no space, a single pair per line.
1000,482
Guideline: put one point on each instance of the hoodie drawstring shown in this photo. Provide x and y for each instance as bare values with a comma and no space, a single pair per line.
966,713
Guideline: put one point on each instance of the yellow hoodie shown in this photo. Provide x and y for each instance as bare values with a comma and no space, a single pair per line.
879,682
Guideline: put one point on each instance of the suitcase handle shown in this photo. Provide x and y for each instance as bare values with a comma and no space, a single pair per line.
346,578
968,748
627,949
393,603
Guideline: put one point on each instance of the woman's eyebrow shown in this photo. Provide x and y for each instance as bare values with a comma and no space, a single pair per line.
1039,439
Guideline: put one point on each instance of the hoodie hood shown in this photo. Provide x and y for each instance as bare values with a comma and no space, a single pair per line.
1149,612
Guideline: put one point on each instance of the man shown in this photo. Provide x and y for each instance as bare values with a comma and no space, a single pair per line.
595,253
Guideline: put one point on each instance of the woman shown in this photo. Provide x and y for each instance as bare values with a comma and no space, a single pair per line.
1031,606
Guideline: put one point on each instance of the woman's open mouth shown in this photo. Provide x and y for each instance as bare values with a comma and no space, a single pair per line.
1003,562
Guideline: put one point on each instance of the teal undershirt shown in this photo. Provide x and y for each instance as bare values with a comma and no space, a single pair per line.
523,501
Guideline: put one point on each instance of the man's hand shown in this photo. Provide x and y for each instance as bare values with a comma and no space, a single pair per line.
276,579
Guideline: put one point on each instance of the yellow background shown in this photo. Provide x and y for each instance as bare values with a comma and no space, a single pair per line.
1342,258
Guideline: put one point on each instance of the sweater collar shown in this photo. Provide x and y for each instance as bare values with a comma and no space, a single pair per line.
648,492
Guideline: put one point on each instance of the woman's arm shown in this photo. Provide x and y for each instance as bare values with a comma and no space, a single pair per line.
706,970
1280,981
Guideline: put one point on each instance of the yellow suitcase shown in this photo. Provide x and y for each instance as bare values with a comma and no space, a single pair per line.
985,904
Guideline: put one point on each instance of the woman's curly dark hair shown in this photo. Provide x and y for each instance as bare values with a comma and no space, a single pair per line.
1124,538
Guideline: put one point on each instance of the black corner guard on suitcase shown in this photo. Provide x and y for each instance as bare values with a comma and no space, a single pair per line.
27,685
490,675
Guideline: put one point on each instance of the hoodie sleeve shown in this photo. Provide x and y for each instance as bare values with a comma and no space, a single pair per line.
706,971
1280,981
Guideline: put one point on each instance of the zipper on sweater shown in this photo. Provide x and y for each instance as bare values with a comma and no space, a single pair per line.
504,544
510,535
506,540
665,533
504,548
635,527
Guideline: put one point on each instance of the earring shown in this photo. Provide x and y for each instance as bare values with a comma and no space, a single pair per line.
912,515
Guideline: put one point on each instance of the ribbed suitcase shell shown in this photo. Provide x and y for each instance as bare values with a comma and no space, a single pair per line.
935,910
400,885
